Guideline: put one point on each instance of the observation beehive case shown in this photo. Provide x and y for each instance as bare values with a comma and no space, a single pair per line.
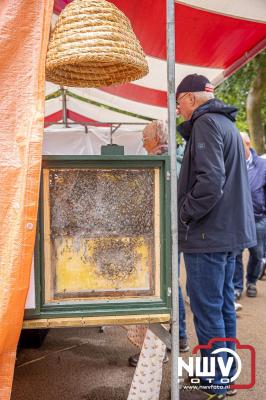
104,235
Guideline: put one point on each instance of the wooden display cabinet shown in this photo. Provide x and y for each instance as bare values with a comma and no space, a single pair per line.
103,243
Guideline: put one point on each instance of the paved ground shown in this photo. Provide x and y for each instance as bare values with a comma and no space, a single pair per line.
83,364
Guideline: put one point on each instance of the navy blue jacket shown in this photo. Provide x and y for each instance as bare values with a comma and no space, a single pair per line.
214,199
257,181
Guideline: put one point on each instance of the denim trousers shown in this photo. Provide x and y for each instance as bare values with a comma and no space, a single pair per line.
211,291
257,253
255,259
182,313
239,273
182,316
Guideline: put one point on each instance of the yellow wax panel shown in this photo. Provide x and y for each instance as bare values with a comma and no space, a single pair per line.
94,266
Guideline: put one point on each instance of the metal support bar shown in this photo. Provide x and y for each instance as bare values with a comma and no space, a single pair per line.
174,231
113,129
64,107
100,123
162,333
86,124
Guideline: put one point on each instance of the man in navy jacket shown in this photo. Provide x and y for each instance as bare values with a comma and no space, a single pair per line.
215,214
256,167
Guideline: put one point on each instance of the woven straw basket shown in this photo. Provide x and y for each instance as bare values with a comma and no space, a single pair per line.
92,45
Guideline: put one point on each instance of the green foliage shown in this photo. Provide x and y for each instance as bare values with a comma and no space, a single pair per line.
179,139
235,89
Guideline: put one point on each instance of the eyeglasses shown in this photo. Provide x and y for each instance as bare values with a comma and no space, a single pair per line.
178,101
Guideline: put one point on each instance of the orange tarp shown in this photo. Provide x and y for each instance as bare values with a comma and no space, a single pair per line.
24,32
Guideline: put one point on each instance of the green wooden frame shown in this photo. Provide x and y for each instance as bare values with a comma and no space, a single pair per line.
113,307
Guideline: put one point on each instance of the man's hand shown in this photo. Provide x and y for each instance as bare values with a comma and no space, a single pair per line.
160,149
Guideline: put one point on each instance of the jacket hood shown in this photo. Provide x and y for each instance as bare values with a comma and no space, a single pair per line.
211,106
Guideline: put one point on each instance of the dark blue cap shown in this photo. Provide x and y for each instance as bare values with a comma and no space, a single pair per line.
194,83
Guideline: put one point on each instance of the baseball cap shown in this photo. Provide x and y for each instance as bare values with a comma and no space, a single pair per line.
194,83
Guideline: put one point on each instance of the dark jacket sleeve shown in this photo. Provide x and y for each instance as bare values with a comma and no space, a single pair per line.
208,161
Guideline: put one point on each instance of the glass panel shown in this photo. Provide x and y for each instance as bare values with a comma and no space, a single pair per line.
101,226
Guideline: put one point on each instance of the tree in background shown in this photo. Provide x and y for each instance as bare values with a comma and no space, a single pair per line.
246,89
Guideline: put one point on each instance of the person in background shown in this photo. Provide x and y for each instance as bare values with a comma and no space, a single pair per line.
215,216
256,167
155,143
263,267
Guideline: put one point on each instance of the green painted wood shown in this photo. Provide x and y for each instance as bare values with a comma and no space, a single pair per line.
112,150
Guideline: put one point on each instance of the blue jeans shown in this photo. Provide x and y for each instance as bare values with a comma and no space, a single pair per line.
182,313
182,316
211,291
257,253
239,274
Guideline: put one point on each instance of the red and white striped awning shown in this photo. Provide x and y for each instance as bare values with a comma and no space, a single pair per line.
213,38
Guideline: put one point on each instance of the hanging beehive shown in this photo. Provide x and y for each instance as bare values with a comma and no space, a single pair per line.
93,45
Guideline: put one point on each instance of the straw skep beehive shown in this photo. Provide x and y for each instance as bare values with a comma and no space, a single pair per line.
92,45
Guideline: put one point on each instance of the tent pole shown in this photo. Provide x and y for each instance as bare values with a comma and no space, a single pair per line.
174,231
64,106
